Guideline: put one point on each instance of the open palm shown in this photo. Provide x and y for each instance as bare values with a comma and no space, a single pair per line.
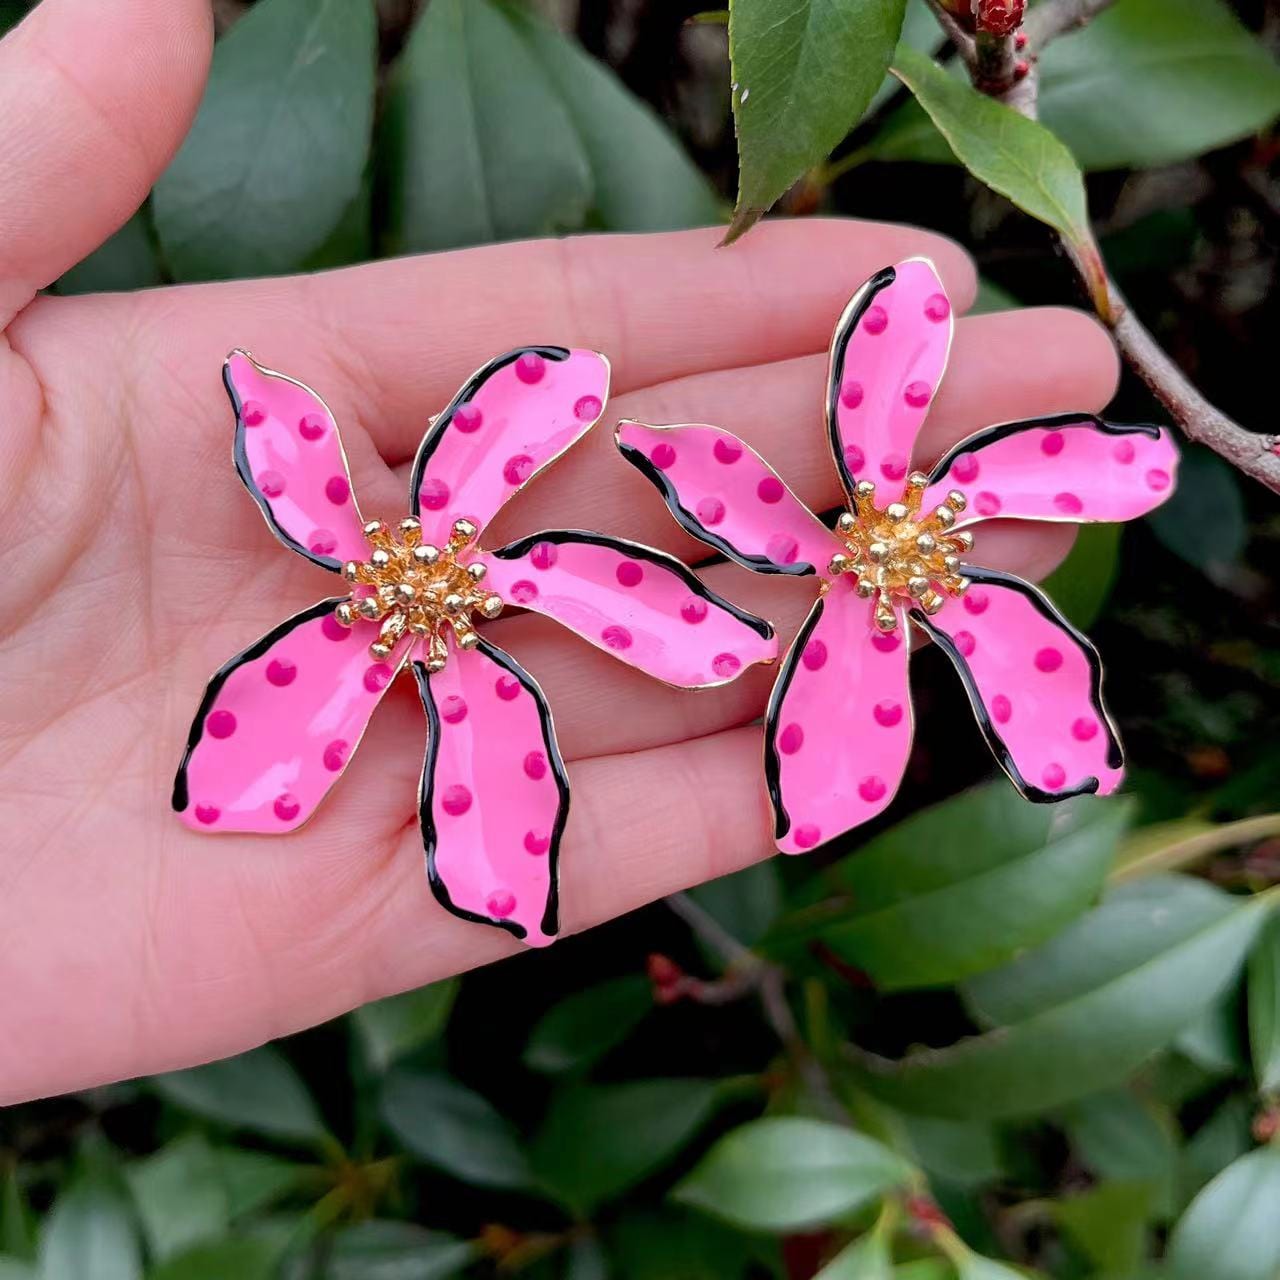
135,563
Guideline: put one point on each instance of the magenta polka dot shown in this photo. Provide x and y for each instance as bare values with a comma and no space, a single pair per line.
965,468
587,408
726,450
854,459
937,307
536,842
252,414
1084,729
378,677
1124,452
1054,776
1048,660
518,469
770,490
523,591
455,799
286,806
807,835
207,814
535,765
337,490
616,638
851,395
280,672
335,755
220,724
917,394
333,629
726,664
507,688
694,610
1001,709
467,418
976,601
322,542
271,483
312,427
894,467
501,905
1157,479
965,643
544,555
433,494
1052,443
1068,503
885,641
872,789
876,320
888,713
663,455
710,511
629,574
791,739
531,368
815,655
454,709
782,548
986,503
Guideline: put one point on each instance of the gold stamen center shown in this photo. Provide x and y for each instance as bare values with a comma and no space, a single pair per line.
898,555
414,587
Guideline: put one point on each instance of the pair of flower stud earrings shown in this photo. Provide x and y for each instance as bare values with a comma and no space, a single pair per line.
279,721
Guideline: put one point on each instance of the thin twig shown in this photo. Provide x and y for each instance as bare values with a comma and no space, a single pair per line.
1055,18
964,43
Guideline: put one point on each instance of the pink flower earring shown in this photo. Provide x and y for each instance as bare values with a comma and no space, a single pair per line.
839,725
279,722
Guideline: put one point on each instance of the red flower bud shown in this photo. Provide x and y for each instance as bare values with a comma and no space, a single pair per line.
999,17
1020,40
667,977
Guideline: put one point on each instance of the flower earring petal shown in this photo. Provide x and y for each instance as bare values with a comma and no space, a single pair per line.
289,455
839,726
279,723
1072,467
638,604
1035,684
512,419
494,796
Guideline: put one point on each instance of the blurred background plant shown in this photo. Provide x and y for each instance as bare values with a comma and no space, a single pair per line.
984,1039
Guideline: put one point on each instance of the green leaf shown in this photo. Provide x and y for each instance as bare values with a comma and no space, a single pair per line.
1081,585
13,1268
396,1251
258,1091
597,1141
676,1244
180,1196
457,169
17,1223
926,904
961,1152
389,1029
585,1026
90,1234
920,30
1264,1007
746,903
253,1180
972,1267
804,73
277,152
1122,1139
1109,1224
1015,156
1232,1229
1216,1039
1223,1138
1080,1013
789,1173
454,1129
243,1259
865,1259
128,260
1204,522
925,1269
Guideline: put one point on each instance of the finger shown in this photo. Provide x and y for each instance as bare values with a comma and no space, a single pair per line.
95,99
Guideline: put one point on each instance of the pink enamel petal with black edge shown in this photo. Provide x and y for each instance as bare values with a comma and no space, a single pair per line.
289,455
642,606
278,724
1073,467
513,418
724,493
494,795
1035,684
888,356
839,727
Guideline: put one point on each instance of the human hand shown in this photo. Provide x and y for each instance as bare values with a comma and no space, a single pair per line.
135,564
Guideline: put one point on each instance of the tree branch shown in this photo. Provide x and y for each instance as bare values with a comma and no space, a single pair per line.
1055,18
965,44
